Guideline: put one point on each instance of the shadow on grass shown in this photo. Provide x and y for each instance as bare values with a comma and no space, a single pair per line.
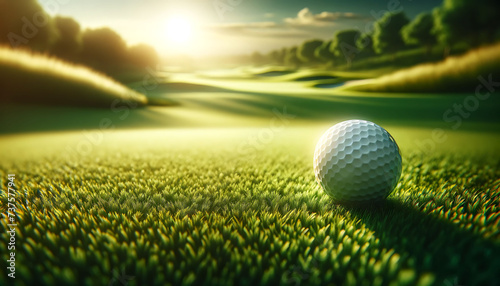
313,78
453,254
181,87
274,73
34,118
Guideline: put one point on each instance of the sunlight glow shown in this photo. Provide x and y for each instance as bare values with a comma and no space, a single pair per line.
179,30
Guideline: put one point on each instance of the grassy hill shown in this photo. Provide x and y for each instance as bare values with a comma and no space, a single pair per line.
455,74
31,78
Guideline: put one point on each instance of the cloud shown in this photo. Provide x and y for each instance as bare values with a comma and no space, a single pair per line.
255,29
304,25
242,26
273,33
324,19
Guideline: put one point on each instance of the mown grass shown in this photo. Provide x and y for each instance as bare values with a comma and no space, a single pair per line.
455,74
192,207
30,78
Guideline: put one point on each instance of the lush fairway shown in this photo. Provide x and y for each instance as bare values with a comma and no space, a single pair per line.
223,207
219,189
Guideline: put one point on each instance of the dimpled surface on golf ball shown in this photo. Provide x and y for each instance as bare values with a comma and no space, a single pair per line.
357,161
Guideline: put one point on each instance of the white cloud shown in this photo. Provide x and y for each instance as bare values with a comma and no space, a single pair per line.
324,19
240,37
251,25
256,29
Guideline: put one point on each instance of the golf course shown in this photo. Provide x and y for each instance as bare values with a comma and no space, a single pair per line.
219,190
122,169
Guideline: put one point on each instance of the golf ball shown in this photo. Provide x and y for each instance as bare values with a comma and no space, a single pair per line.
357,161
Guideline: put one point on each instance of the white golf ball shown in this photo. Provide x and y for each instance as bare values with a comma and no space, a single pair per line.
357,161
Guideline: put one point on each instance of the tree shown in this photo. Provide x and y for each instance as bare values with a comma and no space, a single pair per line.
323,52
344,45
103,49
143,56
387,33
283,53
471,22
258,59
278,56
69,42
306,51
25,24
489,24
419,31
292,58
365,45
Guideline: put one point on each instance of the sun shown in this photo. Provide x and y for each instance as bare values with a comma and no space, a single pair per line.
179,30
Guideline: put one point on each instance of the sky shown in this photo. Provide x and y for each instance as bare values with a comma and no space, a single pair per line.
200,28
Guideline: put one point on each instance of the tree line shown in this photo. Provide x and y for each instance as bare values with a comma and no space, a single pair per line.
24,24
455,22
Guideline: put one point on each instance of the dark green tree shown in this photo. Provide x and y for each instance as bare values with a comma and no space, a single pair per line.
324,53
306,51
283,52
466,21
488,18
365,45
278,56
68,45
344,45
25,24
143,56
387,33
419,31
257,58
103,49
292,58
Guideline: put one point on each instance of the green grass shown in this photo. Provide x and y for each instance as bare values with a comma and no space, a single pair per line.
455,74
201,200
193,207
30,78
